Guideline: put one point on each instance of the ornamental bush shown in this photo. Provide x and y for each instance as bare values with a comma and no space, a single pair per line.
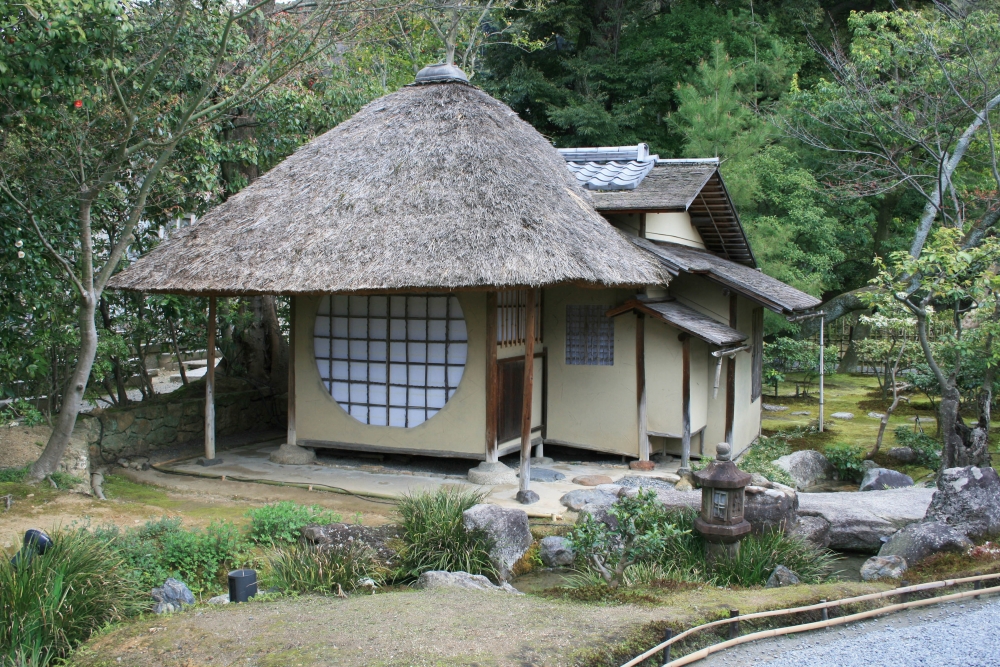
284,521
847,459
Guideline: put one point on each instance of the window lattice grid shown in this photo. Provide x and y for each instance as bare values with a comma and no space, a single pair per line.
590,336
391,360
512,317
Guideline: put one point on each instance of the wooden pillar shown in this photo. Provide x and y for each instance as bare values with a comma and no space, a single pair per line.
822,370
492,391
640,384
291,371
731,376
529,372
686,402
210,383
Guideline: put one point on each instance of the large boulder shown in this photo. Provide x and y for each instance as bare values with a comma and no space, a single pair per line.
462,580
770,506
858,522
171,596
507,530
575,500
879,479
812,529
968,499
920,540
883,567
556,551
806,467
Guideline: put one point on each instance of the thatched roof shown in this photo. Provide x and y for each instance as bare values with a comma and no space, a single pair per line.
433,187
751,283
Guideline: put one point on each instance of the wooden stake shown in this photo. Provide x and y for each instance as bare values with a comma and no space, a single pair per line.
731,376
492,398
822,325
291,372
686,402
210,383
640,382
529,371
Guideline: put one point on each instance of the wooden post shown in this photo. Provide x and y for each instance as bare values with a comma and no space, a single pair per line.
492,397
822,325
731,377
640,384
524,494
291,371
210,383
686,402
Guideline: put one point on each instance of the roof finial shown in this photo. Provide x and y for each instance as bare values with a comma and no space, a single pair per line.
441,73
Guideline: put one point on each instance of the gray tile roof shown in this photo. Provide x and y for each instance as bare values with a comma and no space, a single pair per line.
686,319
609,168
669,186
751,283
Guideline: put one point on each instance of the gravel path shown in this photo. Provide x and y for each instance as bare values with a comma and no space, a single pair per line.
965,633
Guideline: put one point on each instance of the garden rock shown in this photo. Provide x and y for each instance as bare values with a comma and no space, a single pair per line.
293,455
968,499
902,454
376,538
883,567
768,407
555,551
781,577
171,596
473,582
876,415
770,507
575,500
843,415
868,464
665,482
507,530
806,468
812,529
219,599
592,480
492,473
641,465
545,475
527,497
920,540
859,521
684,484
802,413
877,479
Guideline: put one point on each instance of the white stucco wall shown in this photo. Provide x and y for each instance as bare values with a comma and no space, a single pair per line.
674,227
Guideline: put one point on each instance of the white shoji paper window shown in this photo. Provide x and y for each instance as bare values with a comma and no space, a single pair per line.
391,360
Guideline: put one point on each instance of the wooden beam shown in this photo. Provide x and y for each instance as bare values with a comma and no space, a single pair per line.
291,371
210,383
640,384
731,375
529,372
686,402
492,397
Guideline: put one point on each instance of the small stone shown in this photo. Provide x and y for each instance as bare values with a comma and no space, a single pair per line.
219,599
293,455
842,415
641,465
555,551
527,497
476,582
173,591
683,485
781,577
876,415
545,475
592,480
575,500
883,567
768,407
541,461
878,479
165,608
660,457
801,413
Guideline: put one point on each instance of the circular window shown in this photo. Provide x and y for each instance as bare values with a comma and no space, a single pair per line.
390,360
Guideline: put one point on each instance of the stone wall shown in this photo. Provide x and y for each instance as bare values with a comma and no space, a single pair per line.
178,418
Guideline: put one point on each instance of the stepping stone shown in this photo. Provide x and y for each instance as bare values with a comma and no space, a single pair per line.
592,480
768,407
802,413
545,475
876,415
641,465
843,415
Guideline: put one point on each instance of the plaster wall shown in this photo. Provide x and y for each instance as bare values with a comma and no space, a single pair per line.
674,227
664,380
458,429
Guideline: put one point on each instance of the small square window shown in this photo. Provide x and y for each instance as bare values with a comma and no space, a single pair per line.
590,336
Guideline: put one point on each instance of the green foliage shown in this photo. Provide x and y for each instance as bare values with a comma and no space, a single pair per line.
14,474
434,538
65,480
787,355
758,459
928,449
283,521
23,412
162,548
847,459
642,530
53,602
304,568
760,554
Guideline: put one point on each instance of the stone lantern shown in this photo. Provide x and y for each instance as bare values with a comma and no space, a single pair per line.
721,519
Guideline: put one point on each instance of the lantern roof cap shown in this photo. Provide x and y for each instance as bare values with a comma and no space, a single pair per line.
722,473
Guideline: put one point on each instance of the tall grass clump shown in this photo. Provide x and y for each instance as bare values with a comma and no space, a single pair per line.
760,554
53,602
305,568
434,538
284,521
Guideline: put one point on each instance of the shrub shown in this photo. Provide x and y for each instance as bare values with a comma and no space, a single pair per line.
308,569
847,459
434,538
758,459
284,521
760,554
927,449
14,474
641,532
53,602
23,411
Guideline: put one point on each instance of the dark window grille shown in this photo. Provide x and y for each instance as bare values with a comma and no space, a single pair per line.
511,317
590,336
391,360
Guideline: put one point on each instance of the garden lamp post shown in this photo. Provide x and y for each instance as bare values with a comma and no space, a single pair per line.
721,520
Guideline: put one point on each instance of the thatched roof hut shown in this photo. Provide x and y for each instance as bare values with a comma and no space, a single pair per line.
437,186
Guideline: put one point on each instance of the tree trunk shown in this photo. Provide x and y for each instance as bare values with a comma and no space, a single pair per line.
115,361
963,446
72,402
278,352
849,362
